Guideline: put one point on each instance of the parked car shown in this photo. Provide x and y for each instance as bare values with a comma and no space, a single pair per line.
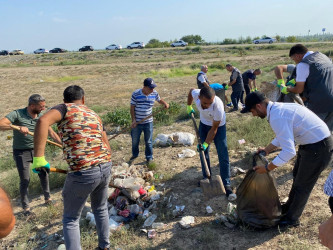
179,43
57,50
114,47
264,40
135,45
16,52
4,52
86,48
41,51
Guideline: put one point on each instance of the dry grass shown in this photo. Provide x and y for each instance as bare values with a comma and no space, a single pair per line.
108,84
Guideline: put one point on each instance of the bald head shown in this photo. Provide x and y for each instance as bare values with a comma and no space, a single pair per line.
204,68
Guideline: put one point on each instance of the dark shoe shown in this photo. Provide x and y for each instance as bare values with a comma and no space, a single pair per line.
230,194
244,110
285,222
233,110
284,209
49,202
132,159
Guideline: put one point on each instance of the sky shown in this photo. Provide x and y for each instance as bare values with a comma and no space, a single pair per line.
71,24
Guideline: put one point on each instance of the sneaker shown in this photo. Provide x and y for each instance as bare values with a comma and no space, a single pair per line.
243,111
132,159
229,104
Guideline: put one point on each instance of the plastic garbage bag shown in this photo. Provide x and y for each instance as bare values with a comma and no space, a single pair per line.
258,202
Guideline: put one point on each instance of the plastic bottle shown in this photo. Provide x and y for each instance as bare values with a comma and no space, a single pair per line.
150,220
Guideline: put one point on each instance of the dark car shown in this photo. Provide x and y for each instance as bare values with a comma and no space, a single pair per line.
4,52
57,50
86,48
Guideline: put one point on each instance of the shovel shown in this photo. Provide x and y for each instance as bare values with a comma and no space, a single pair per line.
32,134
213,185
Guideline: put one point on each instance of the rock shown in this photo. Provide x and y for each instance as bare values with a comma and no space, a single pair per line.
186,222
61,247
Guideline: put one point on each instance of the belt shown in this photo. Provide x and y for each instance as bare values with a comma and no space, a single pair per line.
328,141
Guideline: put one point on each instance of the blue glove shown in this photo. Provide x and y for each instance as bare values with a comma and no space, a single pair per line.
202,147
38,163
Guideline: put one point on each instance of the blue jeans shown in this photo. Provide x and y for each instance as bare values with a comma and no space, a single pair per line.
235,98
220,141
147,129
78,186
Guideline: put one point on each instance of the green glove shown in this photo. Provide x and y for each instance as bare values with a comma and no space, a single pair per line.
255,89
38,163
291,83
284,90
252,90
280,82
190,110
202,147
226,86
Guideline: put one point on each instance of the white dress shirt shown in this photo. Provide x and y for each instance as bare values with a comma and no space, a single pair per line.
293,123
303,69
214,113
201,77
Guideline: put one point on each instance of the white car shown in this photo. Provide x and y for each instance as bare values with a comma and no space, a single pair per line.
264,40
179,43
114,47
135,45
41,51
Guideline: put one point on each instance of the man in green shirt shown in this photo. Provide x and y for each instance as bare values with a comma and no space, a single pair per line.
23,145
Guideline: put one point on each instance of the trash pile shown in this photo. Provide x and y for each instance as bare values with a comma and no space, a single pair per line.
174,139
131,196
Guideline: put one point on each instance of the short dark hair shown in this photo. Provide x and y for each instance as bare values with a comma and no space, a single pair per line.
35,99
228,65
73,93
207,92
298,49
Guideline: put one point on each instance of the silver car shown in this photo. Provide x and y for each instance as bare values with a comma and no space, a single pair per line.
264,40
139,45
114,47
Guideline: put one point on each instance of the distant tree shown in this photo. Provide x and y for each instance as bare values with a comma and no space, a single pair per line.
256,38
192,39
155,43
291,39
278,38
248,39
263,36
229,41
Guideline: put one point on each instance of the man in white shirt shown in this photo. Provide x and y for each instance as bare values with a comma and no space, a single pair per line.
314,78
212,128
293,123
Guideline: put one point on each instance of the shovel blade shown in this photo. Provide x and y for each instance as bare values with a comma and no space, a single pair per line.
212,187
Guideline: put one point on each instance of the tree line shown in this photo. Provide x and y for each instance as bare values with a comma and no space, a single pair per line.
197,40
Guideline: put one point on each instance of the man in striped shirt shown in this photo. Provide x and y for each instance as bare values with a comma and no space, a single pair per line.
142,103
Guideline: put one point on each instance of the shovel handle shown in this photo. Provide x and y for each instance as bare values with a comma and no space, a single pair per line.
32,134
58,170
201,152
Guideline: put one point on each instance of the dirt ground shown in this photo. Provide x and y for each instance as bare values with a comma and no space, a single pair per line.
110,85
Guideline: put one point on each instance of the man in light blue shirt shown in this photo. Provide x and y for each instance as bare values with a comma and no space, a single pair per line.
294,123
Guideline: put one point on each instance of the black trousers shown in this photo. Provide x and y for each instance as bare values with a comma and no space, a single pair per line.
23,158
247,91
311,160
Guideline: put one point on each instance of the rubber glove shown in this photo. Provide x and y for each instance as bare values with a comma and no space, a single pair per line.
291,83
225,86
255,89
202,147
252,90
284,90
190,110
40,162
280,82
